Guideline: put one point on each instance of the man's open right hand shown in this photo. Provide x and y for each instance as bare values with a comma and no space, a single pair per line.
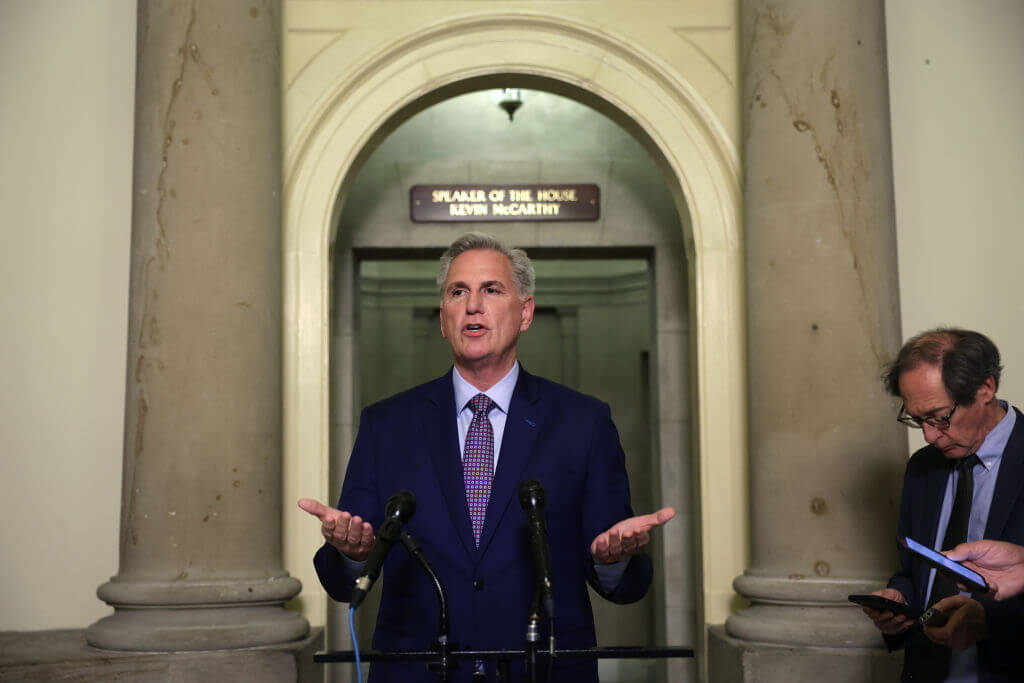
349,534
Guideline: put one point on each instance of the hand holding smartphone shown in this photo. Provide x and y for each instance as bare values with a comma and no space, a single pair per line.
933,617
884,604
953,570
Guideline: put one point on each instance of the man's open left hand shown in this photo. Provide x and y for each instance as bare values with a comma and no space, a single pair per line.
628,537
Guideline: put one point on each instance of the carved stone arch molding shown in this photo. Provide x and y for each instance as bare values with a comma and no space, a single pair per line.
340,125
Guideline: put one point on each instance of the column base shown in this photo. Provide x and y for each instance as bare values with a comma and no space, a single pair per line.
190,629
802,611
731,660
65,655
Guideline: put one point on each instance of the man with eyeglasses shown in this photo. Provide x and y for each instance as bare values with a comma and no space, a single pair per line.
967,484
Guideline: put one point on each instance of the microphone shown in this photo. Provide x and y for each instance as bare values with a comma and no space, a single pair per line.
398,511
532,499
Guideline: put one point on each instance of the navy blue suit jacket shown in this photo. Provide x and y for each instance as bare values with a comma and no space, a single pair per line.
1000,655
410,441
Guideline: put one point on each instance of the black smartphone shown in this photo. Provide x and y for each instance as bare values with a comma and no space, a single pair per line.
933,617
953,570
882,604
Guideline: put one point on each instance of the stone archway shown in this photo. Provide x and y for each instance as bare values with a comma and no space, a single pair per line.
615,78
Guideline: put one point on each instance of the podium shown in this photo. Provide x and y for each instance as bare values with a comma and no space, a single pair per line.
444,655
505,657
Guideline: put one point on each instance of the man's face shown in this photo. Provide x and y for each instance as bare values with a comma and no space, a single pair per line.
481,314
924,395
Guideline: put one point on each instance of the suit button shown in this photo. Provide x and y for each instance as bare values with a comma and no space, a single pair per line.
478,584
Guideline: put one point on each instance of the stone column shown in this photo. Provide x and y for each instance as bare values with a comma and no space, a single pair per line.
200,556
826,453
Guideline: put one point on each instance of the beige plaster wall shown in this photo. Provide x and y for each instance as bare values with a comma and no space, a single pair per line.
694,37
66,100
958,153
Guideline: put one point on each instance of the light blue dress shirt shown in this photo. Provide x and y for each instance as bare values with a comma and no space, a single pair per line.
963,665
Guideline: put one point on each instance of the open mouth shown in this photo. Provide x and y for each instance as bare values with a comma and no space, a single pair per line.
474,327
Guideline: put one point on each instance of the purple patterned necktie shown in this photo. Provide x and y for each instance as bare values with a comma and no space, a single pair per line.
478,462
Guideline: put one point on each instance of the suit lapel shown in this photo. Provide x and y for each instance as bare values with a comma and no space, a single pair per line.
437,415
525,417
1010,482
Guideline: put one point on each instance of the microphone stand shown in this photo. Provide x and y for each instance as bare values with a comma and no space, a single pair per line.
445,662
533,639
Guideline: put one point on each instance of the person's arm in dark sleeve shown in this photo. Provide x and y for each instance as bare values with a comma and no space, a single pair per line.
607,502
359,497
1002,646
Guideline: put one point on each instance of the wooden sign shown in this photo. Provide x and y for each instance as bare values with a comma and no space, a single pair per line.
490,203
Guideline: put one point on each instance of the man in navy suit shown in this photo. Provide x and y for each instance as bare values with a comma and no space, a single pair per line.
967,484
417,440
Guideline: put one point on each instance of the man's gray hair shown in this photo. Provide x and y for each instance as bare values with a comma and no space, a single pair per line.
523,275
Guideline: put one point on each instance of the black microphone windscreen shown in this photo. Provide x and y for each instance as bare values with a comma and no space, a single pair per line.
531,494
401,505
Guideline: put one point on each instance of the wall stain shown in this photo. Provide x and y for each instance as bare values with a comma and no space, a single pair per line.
830,156
148,330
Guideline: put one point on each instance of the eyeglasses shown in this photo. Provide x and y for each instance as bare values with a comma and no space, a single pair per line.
919,422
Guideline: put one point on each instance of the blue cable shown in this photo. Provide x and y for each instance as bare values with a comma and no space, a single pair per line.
355,645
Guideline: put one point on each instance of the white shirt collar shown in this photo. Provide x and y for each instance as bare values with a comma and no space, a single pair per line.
500,393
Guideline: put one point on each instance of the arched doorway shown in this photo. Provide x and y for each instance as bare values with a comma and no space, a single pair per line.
612,310
339,129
